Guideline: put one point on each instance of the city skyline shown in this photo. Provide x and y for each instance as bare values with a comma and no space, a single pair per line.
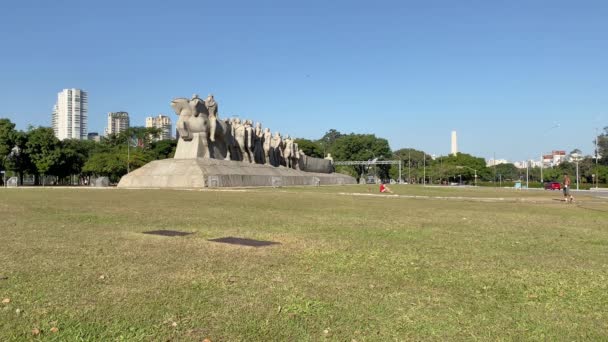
165,124
501,75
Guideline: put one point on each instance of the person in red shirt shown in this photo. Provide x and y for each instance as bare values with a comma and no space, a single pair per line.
384,188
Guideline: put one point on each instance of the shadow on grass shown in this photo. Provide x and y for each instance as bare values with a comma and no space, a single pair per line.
244,242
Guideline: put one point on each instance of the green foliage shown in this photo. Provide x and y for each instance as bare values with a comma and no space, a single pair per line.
7,139
602,146
362,147
328,140
449,168
43,149
163,149
507,172
412,166
113,163
310,148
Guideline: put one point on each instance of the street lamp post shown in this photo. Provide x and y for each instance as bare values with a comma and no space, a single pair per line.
597,179
541,168
424,169
528,175
576,158
470,168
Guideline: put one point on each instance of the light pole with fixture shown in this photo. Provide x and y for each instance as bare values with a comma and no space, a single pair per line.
470,168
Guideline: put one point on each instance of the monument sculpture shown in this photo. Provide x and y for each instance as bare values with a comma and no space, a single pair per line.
266,140
218,153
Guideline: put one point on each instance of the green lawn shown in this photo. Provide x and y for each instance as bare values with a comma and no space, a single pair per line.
431,264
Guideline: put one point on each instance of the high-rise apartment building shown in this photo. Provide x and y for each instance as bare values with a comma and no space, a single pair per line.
70,114
163,122
117,122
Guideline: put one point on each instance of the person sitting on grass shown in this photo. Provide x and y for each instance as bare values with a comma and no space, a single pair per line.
385,188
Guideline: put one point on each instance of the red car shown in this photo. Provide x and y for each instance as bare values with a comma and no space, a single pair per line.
553,186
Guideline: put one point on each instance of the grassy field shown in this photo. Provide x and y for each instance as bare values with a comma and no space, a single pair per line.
428,264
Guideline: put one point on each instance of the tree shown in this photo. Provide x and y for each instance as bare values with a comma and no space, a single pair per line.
361,147
328,140
163,149
602,146
310,148
73,154
507,171
7,141
446,167
413,163
43,149
18,161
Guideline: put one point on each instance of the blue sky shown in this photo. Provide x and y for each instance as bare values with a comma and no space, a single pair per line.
500,73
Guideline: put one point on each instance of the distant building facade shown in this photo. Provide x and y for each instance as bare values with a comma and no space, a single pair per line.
162,122
117,122
70,114
94,136
555,158
493,162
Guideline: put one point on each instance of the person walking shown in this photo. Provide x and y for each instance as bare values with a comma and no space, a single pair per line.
567,196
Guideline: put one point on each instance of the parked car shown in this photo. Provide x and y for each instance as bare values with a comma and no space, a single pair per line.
553,186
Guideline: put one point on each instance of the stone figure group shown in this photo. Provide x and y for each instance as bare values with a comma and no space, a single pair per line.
256,145
233,139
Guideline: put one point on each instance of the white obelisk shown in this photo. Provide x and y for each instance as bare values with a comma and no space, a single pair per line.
454,149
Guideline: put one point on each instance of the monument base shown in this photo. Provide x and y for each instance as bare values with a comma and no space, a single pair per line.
212,173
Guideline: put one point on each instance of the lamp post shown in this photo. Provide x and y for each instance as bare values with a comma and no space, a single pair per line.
373,162
470,168
576,157
542,162
597,179
528,175
424,169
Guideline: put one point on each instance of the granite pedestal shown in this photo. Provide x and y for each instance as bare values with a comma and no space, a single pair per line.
212,173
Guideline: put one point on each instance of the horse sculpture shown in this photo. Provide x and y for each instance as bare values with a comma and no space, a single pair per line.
194,118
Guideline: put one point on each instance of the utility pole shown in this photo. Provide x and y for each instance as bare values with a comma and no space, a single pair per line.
528,175
128,151
541,167
424,169
409,166
597,176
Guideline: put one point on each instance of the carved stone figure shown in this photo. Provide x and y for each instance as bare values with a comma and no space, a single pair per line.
288,150
249,140
212,108
276,152
258,150
296,156
266,142
239,136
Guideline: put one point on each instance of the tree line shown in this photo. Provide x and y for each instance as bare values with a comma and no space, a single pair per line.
420,167
38,153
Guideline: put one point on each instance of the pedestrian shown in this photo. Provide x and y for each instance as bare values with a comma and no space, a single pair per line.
567,196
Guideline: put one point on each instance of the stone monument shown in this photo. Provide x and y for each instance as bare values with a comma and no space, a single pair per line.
230,153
